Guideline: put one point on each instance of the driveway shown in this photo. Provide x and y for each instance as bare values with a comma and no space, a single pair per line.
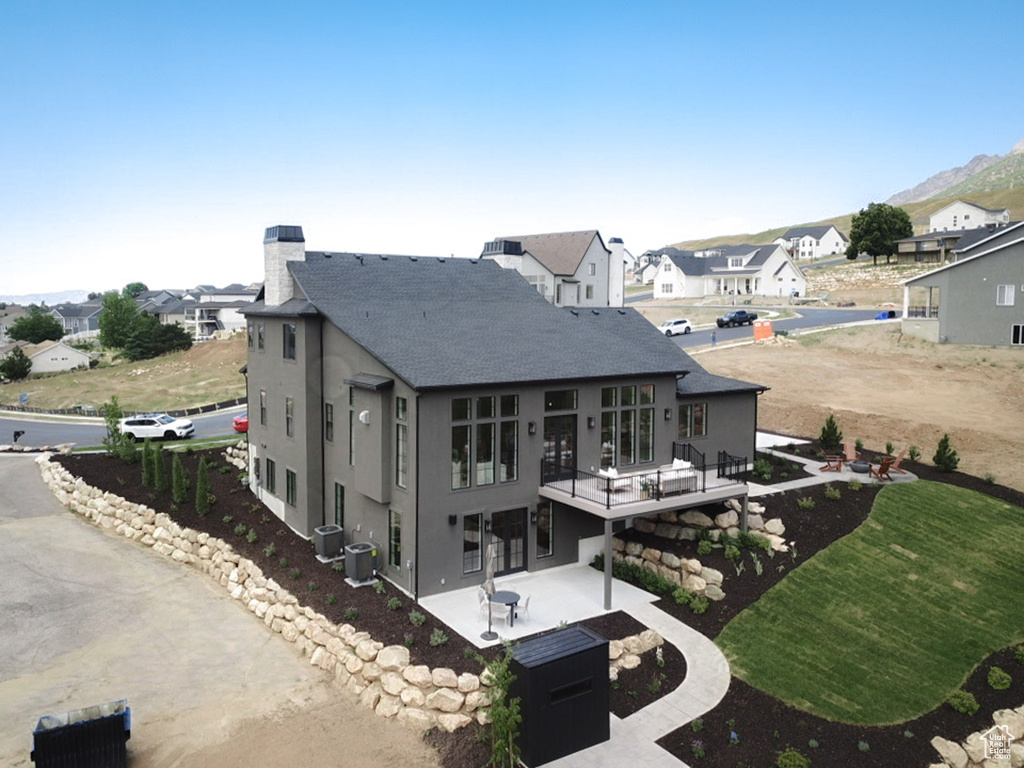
87,617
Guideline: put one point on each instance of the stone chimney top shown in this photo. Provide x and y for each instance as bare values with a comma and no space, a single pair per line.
281,244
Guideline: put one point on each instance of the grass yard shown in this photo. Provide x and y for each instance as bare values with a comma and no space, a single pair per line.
884,624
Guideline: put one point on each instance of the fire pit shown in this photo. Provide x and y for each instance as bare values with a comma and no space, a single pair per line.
860,466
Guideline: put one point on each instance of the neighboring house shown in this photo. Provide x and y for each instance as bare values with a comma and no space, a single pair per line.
205,318
977,299
938,247
645,273
8,316
729,270
569,269
79,319
55,356
963,215
150,302
814,242
434,423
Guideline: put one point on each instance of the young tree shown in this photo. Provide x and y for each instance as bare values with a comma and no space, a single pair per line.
161,480
203,487
147,463
876,229
16,366
118,319
945,458
503,712
179,481
117,444
38,325
831,437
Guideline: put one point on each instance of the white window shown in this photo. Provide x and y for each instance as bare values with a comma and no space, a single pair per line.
668,266
1004,295
591,269
735,262
666,288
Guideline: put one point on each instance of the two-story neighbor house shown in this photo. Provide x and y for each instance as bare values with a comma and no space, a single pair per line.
977,299
433,406
570,269
961,214
728,270
79,319
813,242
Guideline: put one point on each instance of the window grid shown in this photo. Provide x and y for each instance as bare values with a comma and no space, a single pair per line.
289,341
394,538
329,422
289,416
472,543
291,490
271,476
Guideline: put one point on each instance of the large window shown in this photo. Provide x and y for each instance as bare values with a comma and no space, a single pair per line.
339,505
560,400
1017,334
271,476
260,332
545,532
693,420
250,337
263,407
401,443
1004,295
289,416
472,543
289,341
394,538
329,422
485,458
627,431
485,440
290,487
462,436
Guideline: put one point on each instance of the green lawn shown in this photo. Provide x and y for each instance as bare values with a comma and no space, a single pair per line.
884,624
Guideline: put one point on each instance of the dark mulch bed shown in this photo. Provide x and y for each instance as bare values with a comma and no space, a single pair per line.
764,725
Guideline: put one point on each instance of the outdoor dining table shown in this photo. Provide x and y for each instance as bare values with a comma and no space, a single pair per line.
509,598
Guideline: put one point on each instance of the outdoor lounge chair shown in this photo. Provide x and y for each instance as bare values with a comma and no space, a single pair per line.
833,463
851,453
882,470
896,464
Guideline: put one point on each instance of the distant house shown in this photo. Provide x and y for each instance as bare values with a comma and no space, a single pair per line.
646,270
569,269
8,316
961,214
79,319
974,300
728,270
813,242
938,247
55,356
151,301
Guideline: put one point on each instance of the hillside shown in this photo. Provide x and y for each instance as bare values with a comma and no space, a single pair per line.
940,184
1004,175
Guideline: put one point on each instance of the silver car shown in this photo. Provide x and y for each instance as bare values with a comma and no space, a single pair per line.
156,425
675,327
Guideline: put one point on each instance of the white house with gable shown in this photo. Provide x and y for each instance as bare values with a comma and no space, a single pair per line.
728,270
961,214
813,242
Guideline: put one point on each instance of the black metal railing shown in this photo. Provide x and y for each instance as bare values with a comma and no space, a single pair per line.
730,466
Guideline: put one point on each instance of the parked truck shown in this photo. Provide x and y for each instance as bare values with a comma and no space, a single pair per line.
736,317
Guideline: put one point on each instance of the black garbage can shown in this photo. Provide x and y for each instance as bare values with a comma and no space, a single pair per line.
561,679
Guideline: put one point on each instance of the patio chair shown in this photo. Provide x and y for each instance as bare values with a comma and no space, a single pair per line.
882,470
896,464
833,463
523,609
851,453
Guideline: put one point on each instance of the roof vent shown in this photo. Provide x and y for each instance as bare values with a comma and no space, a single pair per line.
283,234
412,258
383,257
575,312
595,312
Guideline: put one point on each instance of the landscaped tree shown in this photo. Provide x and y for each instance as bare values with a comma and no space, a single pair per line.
147,463
831,437
945,458
503,713
118,319
876,229
38,325
161,480
16,366
203,487
150,339
117,444
134,289
179,480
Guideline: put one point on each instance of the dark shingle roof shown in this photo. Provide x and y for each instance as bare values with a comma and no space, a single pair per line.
696,266
440,323
816,232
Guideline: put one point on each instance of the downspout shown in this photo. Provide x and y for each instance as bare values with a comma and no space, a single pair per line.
416,507
323,438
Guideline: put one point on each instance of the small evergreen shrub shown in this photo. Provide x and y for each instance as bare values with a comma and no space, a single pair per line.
1018,653
228,519
832,493
762,469
999,679
858,445
682,596
732,552
241,529
914,453
964,702
805,502
704,547
203,488
312,586
945,458
831,437
295,574
697,725
179,481
699,604
437,637
270,550
813,743
350,614
855,485
393,603
252,537
331,599
379,588
863,746
792,758
417,619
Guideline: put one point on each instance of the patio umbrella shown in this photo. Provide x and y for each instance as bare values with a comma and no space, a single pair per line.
490,563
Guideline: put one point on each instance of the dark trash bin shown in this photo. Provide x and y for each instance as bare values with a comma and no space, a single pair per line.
561,679
93,737
328,540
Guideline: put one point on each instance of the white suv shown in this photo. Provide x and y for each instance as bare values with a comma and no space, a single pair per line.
674,327
156,425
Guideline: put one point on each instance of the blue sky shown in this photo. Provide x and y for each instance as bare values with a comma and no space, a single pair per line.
155,142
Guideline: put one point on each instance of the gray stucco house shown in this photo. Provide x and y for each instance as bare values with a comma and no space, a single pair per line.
977,299
435,405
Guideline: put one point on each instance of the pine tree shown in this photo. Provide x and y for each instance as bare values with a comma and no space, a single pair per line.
203,487
147,464
945,458
831,437
161,480
179,480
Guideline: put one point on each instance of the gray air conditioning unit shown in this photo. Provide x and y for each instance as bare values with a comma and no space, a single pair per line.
359,561
328,540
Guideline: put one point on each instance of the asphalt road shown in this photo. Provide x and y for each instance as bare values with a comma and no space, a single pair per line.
807,318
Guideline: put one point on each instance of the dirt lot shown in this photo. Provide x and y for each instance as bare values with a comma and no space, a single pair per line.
883,387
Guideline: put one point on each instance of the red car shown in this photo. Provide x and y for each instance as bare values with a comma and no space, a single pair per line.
242,422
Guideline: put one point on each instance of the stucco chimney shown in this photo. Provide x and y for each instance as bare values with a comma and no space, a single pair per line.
281,244
616,272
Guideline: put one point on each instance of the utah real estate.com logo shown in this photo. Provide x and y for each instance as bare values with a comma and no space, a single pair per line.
997,742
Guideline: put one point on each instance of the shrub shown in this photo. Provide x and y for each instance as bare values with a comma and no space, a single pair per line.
437,637
831,436
312,586
417,619
805,502
964,702
889,448
203,488
863,746
998,679
161,480
1018,653
914,453
270,550
697,725
350,614
684,596
732,552
792,758
945,458
832,493
813,743
283,562
228,519
409,640
338,566
295,573
252,537
699,604
704,547
379,588
858,444
393,603
241,529
908,734
697,747
179,480
989,478
855,485
147,463
331,599
762,469
117,444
